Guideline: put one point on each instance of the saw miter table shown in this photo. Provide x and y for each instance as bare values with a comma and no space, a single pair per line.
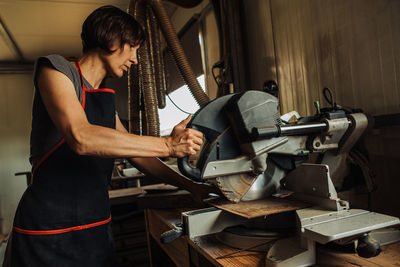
279,180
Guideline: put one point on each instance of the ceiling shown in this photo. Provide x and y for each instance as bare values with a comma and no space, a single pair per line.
42,27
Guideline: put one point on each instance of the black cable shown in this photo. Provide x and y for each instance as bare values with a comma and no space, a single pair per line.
329,96
220,65
178,107
215,78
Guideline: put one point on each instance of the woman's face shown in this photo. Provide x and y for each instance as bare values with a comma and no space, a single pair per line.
121,60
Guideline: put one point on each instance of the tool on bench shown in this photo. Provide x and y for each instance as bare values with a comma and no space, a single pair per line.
251,153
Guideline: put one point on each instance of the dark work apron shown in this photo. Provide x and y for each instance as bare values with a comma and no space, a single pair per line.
63,218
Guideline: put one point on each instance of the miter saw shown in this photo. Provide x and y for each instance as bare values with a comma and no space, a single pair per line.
251,153
249,149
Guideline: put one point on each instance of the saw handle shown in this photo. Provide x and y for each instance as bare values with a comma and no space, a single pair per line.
193,173
187,170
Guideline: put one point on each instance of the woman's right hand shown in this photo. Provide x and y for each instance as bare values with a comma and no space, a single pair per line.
184,141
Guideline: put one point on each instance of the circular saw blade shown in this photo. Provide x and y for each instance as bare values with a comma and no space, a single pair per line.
246,187
235,186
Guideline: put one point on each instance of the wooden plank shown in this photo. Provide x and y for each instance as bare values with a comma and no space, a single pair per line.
280,30
351,47
170,200
125,192
208,248
323,36
135,191
258,208
212,249
261,61
387,32
297,35
382,146
390,256
211,50
146,221
395,29
311,67
344,90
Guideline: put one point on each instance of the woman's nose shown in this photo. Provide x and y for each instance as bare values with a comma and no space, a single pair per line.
133,58
134,61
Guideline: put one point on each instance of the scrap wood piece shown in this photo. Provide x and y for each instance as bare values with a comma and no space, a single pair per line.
159,188
136,191
125,192
257,208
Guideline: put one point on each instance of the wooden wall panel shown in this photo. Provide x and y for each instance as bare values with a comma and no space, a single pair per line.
350,46
260,43
211,50
382,145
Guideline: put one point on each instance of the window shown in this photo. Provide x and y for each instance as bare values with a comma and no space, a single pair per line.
182,97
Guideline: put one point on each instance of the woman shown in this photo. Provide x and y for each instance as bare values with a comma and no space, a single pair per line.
63,218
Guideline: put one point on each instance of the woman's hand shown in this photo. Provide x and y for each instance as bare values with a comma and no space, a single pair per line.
184,141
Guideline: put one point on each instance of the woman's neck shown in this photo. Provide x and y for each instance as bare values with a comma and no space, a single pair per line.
92,68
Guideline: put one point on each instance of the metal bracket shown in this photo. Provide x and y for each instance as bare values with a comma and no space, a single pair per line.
324,226
291,252
330,139
253,161
312,183
208,221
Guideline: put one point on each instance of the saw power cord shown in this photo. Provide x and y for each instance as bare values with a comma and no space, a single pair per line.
245,249
178,107
329,97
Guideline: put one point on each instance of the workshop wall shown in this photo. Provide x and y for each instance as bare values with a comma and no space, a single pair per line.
210,50
383,150
16,92
352,47
210,46
260,40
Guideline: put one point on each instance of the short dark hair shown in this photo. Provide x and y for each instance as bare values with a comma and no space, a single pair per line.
108,24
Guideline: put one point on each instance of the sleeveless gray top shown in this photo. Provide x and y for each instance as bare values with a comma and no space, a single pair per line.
44,134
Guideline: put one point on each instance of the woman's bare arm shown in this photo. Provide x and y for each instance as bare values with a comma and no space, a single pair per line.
160,171
59,97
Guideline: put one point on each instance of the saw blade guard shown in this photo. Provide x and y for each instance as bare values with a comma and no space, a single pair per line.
219,142
226,124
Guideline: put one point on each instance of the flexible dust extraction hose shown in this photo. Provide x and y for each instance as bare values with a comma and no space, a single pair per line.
149,119
147,84
178,53
134,90
157,58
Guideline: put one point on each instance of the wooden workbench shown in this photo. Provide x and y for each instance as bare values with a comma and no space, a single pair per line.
204,251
